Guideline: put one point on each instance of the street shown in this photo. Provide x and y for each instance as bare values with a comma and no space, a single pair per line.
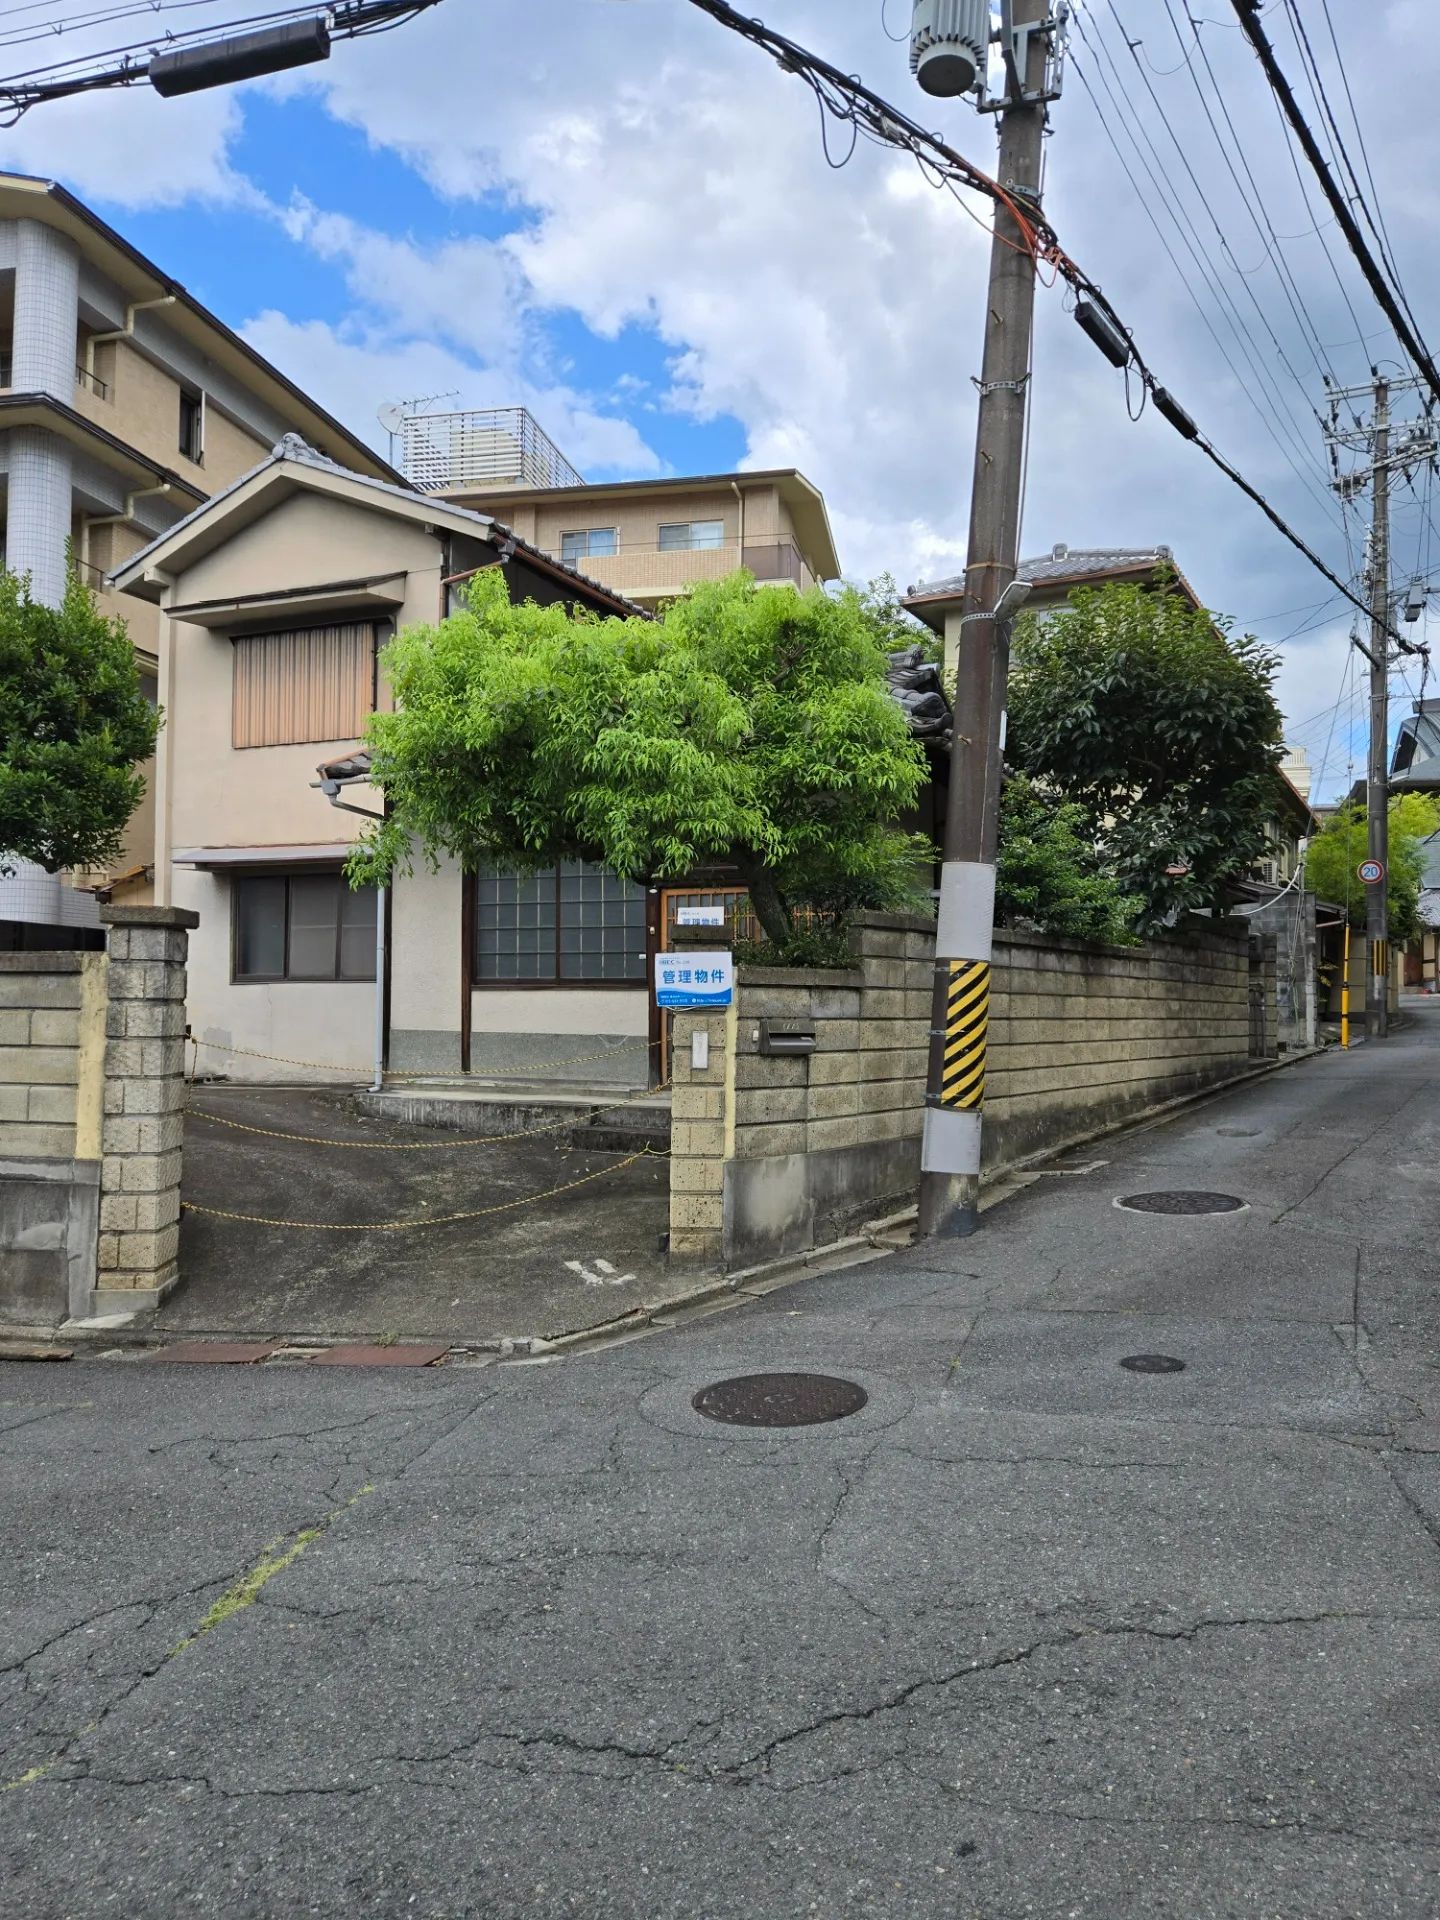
1030,1633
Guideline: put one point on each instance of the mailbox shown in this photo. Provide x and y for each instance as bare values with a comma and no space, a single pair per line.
786,1037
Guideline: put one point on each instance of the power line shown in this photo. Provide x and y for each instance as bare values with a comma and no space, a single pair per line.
148,60
1270,407
1248,14
853,103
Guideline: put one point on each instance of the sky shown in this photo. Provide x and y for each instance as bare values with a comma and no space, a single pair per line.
623,217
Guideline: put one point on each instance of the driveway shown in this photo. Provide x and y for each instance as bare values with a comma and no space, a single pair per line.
1032,1633
583,1256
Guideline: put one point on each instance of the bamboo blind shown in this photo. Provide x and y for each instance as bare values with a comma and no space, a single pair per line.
312,683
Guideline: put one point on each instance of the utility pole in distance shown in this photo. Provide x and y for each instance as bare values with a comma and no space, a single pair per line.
1385,448
950,40
1377,783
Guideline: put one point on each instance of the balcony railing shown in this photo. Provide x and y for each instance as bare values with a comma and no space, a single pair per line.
83,376
644,567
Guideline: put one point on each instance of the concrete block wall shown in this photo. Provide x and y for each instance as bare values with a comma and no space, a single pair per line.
1084,1037
774,1155
52,1030
92,1076
138,1255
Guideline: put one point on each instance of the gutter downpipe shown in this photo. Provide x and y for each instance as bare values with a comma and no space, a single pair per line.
126,518
735,489
331,791
127,332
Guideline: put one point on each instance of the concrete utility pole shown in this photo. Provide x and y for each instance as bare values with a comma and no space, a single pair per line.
1384,447
1377,784
950,1163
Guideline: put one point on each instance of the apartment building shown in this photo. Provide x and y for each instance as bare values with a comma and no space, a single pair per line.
647,539
124,405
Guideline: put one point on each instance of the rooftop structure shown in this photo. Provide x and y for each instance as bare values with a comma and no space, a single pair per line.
492,447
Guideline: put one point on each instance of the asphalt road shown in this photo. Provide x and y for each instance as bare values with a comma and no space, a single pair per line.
1029,1635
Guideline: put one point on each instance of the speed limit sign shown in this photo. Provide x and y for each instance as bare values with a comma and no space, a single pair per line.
1372,872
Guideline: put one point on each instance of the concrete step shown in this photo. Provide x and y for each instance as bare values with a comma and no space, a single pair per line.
599,1117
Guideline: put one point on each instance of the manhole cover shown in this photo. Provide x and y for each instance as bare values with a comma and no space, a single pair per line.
1153,1363
1182,1200
779,1400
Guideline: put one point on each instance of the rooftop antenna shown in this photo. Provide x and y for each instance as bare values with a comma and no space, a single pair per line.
393,415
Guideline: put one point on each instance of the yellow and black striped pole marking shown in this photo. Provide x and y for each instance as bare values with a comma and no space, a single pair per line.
967,1016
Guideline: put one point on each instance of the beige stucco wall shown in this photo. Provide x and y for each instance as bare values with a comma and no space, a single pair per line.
313,538
639,568
330,1023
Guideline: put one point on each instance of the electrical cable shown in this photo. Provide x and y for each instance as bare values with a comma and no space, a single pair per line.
850,100
1248,13
349,20
1278,422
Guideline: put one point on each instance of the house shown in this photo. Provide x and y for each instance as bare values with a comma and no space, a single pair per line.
124,405
647,539
1064,571
271,601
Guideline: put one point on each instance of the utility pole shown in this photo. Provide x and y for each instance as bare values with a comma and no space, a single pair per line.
1377,784
1385,448
1031,42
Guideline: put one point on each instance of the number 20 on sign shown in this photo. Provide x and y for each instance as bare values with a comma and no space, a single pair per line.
1372,872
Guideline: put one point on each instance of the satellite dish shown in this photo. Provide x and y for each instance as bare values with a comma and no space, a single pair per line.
391,416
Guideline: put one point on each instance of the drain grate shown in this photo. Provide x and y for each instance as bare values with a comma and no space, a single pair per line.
1152,1363
779,1400
1182,1200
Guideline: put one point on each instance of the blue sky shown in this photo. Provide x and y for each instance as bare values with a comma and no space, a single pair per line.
238,259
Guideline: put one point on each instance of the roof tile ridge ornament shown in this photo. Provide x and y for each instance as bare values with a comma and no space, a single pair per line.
294,446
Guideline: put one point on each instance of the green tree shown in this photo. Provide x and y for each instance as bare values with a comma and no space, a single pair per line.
1159,724
747,725
1337,850
1049,875
73,727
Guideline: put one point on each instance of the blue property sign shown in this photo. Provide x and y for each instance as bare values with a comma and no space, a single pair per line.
694,979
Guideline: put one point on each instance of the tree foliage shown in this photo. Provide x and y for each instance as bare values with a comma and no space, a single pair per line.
747,725
1161,727
73,727
1337,850
1048,874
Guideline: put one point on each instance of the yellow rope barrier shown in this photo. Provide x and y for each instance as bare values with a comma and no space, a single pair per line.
420,1146
441,1220
467,1073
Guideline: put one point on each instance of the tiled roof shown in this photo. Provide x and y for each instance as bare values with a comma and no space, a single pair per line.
1065,563
292,448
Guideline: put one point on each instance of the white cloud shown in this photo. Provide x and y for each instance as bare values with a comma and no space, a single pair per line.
672,177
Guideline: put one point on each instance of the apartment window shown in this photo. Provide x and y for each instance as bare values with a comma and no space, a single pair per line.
192,425
691,536
306,684
589,543
571,923
303,926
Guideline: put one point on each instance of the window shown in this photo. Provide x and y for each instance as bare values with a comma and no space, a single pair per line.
192,425
691,536
312,683
303,926
589,543
571,923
